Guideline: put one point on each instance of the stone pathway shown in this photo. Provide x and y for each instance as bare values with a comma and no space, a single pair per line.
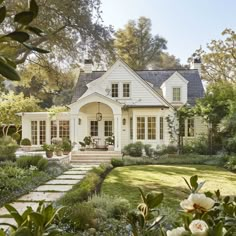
49,192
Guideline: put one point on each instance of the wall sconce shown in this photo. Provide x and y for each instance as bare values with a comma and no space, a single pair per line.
124,121
79,121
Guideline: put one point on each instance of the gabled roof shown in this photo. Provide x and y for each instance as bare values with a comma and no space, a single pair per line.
155,77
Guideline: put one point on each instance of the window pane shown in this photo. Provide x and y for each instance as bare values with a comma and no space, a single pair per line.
190,127
161,128
114,90
53,129
108,128
42,132
34,132
131,128
94,128
64,129
176,94
140,127
152,128
126,90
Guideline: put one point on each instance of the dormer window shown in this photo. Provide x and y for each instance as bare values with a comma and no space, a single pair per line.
126,90
115,90
176,94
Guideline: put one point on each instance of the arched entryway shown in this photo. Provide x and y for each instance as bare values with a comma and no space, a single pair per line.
85,120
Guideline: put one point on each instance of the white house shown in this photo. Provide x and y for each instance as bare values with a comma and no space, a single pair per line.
131,105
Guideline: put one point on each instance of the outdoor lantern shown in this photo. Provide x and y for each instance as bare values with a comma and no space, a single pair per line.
124,121
99,114
79,121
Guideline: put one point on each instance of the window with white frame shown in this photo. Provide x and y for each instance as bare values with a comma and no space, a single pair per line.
190,127
140,128
126,90
115,90
161,128
176,94
64,129
131,127
42,132
53,129
94,128
34,132
151,128
107,128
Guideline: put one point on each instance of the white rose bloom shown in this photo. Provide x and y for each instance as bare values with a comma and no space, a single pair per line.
197,201
180,231
198,228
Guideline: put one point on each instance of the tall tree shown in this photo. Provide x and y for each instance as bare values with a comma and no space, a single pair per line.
218,62
136,45
10,105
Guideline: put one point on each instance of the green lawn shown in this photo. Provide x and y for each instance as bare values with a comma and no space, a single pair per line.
123,181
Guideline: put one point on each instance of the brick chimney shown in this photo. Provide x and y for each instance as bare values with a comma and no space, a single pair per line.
88,66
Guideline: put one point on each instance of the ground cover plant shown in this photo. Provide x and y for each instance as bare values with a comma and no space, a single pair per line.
123,181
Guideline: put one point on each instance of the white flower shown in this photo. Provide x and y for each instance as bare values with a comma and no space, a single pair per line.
198,228
197,201
180,231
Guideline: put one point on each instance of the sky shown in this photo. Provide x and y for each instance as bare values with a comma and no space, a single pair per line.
185,24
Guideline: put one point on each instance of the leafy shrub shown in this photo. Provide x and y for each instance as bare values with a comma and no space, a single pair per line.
170,149
231,163
66,145
230,145
25,142
16,136
26,162
55,169
149,150
117,162
134,149
8,147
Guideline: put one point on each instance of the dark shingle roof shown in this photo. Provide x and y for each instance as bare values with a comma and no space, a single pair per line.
156,77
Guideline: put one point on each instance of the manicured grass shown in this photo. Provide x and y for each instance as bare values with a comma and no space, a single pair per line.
123,181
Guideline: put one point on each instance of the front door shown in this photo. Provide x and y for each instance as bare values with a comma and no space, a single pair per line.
100,130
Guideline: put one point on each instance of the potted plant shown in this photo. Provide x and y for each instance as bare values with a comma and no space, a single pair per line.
49,149
88,141
25,144
66,146
58,149
83,145
110,143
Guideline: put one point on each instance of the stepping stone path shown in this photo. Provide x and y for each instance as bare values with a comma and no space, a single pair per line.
49,192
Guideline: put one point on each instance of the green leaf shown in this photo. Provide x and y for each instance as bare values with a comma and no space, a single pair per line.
34,7
187,184
154,198
218,229
142,195
2,233
18,36
226,199
3,12
193,181
24,17
37,218
8,72
40,50
24,231
1,1
35,30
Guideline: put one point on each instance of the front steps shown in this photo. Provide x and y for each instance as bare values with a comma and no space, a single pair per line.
94,157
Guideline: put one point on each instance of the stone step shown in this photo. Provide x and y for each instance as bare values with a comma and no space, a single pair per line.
96,152
90,161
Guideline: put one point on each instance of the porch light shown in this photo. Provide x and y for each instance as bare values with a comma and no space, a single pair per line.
99,114
79,121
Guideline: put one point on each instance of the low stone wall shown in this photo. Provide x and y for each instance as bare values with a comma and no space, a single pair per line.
65,159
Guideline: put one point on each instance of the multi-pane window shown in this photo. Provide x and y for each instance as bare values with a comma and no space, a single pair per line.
53,129
42,132
126,90
191,127
64,129
34,132
151,128
131,127
140,127
94,128
161,128
107,128
115,90
176,94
